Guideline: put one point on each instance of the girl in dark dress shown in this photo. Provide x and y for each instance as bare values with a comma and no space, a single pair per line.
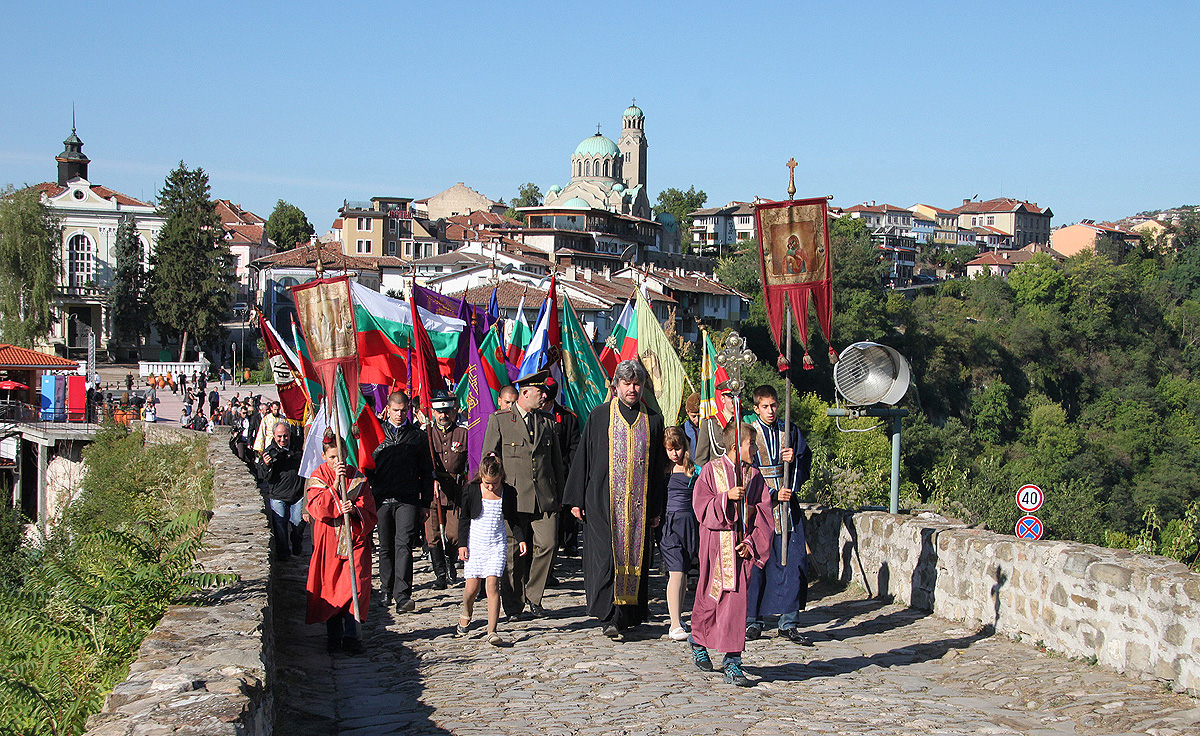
681,533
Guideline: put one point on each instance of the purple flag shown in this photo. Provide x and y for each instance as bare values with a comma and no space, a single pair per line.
460,309
475,398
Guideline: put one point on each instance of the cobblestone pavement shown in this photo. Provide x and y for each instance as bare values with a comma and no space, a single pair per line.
875,669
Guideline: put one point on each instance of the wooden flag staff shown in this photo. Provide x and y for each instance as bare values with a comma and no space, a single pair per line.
335,423
785,509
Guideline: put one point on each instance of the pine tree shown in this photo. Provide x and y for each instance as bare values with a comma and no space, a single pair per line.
191,270
127,297
30,245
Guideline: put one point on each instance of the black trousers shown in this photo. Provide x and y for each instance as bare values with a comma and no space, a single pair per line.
397,529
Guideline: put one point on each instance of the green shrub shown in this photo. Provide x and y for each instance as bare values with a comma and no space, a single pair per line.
96,586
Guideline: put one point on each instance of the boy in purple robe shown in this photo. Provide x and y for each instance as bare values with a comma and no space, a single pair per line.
719,611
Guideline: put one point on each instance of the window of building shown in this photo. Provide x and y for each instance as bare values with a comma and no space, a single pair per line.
79,260
587,168
364,246
991,219
391,248
391,225
407,249
364,224
606,167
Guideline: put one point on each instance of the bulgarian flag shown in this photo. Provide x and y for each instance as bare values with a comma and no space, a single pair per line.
520,337
615,346
493,363
712,404
308,372
356,424
385,334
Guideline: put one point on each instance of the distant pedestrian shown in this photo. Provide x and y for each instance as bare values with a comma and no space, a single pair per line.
214,400
129,381
224,371
487,503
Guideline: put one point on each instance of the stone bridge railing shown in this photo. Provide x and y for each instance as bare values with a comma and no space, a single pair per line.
1137,613
206,669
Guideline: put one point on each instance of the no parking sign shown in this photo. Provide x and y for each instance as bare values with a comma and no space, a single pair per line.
1030,527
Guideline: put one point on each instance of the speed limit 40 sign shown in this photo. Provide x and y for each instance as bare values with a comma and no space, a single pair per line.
1030,498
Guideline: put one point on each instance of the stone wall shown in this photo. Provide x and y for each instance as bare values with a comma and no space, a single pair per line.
1139,614
205,669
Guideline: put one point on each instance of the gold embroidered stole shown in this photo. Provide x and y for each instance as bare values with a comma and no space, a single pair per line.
628,474
772,474
725,571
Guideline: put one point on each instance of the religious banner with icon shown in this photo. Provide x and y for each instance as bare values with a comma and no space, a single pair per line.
793,241
326,312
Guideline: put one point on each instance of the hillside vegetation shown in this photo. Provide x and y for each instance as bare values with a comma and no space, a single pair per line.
1080,377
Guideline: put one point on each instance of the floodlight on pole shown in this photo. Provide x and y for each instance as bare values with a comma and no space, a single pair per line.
872,378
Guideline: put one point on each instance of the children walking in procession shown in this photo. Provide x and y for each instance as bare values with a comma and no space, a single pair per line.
720,503
680,533
487,503
329,589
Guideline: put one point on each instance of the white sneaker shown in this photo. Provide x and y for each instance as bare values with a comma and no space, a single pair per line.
678,634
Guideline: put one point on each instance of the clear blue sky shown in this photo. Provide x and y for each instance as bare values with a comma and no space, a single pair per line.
1089,108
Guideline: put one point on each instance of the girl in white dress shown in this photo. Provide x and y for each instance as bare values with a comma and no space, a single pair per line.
487,502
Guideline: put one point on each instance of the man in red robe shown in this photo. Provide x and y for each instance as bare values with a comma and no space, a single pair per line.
329,590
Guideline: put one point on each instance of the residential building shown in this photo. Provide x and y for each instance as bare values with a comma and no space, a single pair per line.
715,229
1026,222
1071,240
892,230
945,223
1002,262
89,214
459,199
385,226
246,236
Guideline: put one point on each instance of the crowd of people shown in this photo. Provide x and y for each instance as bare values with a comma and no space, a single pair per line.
711,500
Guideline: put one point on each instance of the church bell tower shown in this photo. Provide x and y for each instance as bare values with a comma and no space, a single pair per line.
72,162
633,146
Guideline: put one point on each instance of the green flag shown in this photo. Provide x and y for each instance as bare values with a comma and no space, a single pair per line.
343,406
654,349
585,384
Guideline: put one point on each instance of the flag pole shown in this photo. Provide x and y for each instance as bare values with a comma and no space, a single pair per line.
336,423
785,509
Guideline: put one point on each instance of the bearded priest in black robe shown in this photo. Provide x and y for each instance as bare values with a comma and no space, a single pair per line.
618,488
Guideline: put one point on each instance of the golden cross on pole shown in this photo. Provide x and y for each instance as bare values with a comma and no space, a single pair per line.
791,164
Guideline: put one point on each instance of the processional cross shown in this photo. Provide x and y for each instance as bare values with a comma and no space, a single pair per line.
734,358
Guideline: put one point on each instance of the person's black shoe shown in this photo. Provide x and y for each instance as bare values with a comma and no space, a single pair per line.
701,659
611,631
753,631
333,646
388,600
796,637
520,616
351,645
536,611
405,605
441,583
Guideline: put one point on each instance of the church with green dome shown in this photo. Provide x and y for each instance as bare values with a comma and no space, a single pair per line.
608,175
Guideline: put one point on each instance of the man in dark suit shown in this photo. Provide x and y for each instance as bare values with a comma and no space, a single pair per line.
526,441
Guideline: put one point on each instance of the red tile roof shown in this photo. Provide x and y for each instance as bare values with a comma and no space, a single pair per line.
231,213
1001,204
877,208
12,356
509,294
244,234
306,257
50,189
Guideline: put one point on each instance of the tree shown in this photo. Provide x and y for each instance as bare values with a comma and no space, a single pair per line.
529,195
191,271
287,226
127,297
30,241
680,204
